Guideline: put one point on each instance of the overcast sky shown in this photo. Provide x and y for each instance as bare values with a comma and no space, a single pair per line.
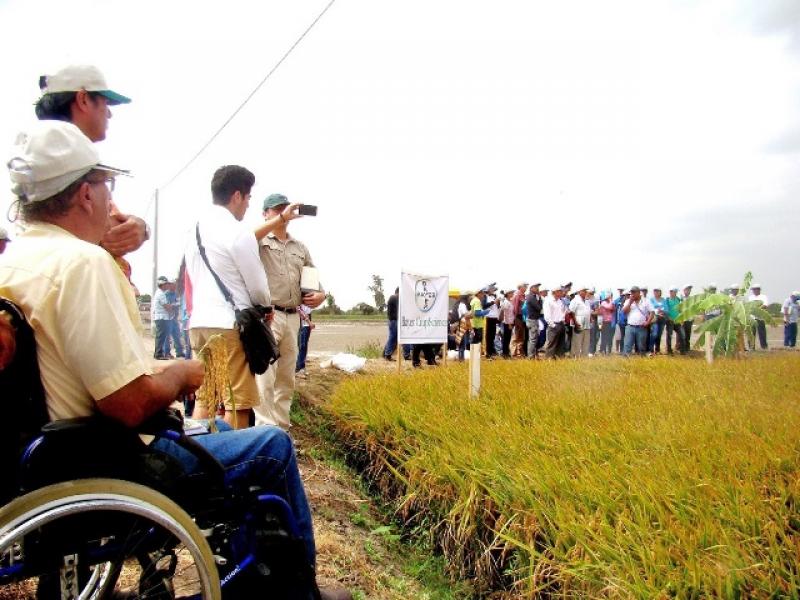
612,143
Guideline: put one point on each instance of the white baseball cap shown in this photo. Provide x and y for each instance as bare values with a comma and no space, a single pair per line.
50,156
673,288
74,78
755,286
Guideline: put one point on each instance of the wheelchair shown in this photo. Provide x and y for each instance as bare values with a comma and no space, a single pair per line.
91,512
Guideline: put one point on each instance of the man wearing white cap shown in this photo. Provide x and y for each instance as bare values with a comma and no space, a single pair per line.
4,239
790,311
761,327
687,324
554,312
79,94
86,321
580,308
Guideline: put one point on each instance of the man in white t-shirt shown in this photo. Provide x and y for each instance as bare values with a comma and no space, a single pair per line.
761,327
579,306
640,316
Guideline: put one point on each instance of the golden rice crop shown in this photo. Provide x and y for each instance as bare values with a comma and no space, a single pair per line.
603,478
216,386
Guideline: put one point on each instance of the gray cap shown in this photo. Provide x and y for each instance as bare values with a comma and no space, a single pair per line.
274,200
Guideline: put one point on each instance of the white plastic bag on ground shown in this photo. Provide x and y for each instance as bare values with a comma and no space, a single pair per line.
453,355
349,363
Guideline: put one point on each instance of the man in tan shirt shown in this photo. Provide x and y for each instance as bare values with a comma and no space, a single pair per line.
283,258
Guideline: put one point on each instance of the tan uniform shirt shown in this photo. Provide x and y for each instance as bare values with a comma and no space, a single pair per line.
284,264
83,314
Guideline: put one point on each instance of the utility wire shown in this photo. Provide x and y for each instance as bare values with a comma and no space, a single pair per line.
246,100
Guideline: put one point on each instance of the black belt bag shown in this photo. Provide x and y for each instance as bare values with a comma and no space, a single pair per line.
259,344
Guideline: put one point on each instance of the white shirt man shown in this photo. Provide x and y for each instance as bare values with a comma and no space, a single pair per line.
232,252
761,327
580,307
639,311
554,310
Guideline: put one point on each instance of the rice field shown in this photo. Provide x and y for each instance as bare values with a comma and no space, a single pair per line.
602,478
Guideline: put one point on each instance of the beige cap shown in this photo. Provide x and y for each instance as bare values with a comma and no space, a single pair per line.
50,156
73,78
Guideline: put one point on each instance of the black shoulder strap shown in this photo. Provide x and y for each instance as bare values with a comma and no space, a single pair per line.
225,291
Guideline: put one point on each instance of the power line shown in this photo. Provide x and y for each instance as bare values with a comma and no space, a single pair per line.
246,100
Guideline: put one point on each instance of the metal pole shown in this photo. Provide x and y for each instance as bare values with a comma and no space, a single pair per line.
155,241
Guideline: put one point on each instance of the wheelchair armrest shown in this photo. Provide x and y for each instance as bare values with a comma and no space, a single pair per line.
169,419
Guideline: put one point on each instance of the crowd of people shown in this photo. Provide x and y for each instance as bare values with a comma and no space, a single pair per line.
68,274
538,321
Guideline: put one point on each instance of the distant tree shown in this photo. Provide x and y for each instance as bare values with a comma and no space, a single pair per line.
377,292
775,309
330,307
362,308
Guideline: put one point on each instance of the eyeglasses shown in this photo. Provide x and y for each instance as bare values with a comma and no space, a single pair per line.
110,182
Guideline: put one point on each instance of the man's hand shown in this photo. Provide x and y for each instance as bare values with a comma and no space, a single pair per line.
127,233
193,373
290,212
313,299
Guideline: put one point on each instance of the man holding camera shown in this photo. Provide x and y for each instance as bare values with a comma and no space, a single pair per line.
283,259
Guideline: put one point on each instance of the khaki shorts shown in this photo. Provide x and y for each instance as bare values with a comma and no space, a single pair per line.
243,382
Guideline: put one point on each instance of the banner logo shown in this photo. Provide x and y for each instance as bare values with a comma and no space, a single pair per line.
424,295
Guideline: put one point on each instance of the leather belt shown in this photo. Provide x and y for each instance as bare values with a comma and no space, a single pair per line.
283,309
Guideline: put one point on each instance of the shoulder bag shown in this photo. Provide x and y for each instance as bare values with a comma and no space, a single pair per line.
259,344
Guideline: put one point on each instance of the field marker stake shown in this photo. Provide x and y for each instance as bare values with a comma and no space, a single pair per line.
709,347
474,370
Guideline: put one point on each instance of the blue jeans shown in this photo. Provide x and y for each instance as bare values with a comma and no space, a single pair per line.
302,348
790,335
174,333
258,456
391,343
635,335
162,337
465,342
656,329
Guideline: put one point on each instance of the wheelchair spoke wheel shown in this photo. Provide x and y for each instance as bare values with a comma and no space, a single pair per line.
102,538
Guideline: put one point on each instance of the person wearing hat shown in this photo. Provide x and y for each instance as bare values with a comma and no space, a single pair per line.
4,239
790,310
283,258
620,318
534,305
518,341
163,311
492,304
232,253
478,313
687,324
86,321
507,320
761,326
80,95
605,321
582,314
671,310
640,317
554,313
658,307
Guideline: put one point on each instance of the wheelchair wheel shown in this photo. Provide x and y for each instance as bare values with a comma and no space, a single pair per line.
103,538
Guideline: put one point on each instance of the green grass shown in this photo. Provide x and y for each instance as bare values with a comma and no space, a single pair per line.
603,478
371,349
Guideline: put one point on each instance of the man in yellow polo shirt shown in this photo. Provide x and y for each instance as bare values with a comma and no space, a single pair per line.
86,322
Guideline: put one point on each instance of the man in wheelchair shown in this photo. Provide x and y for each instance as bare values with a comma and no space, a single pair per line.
106,403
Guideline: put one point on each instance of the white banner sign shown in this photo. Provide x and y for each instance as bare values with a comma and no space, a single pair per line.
422,318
